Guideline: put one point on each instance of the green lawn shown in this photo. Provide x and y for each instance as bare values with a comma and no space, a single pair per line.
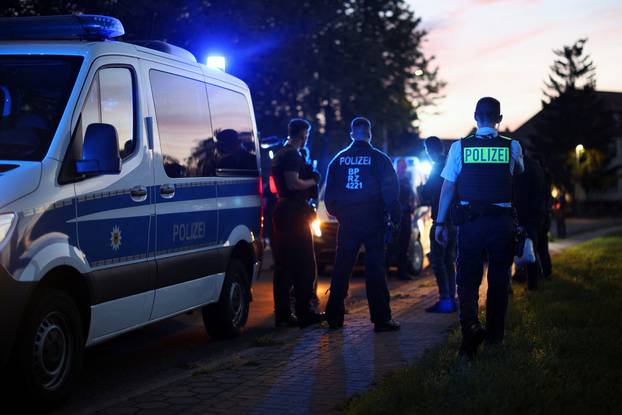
562,354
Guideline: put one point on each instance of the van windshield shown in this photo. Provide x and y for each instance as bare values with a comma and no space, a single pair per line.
33,94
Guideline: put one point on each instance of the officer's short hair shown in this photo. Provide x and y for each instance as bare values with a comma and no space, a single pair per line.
296,126
488,109
360,122
434,143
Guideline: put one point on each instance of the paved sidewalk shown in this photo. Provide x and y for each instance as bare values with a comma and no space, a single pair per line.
580,225
559,245
309,371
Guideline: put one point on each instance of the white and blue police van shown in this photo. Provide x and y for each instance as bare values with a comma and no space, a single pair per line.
130,193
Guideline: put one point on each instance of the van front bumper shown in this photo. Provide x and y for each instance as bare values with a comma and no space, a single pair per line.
14,298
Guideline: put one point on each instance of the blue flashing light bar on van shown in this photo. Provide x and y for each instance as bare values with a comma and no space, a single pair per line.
63,27
216,62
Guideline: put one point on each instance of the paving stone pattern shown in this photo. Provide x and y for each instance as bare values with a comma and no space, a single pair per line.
311,371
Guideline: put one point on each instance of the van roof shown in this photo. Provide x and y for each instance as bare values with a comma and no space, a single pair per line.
95,49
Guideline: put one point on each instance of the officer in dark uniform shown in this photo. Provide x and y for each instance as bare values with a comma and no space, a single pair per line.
479,171
530,202
442,257
312,197
294,256
362,193
407,202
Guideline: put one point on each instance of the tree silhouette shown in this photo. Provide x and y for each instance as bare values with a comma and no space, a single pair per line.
325,60
571,70
572,115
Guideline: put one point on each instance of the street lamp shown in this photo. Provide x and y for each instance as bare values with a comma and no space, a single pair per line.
579,149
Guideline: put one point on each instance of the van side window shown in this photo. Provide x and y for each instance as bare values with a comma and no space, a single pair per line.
111,100
233,127
183,119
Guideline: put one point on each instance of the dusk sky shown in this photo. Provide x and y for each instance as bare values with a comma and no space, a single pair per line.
504,48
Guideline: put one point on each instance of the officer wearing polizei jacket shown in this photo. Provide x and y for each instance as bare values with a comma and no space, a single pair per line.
479,170
361,192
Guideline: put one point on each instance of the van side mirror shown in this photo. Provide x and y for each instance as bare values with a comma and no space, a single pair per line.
100,151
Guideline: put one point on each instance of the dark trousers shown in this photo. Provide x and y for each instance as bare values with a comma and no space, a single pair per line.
543,249
534,270
403,243
349,240
294,259
491,236
560,220
443,262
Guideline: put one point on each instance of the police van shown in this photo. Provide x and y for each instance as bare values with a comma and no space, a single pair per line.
130,193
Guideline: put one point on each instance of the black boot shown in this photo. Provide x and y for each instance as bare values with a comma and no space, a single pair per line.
390,325
471,339
310,319
286,321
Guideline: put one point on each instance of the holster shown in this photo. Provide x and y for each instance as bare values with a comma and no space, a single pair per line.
460,214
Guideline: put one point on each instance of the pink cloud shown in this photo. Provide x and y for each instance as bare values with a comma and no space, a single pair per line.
512,40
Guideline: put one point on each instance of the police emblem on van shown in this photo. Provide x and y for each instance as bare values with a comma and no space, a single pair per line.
115,238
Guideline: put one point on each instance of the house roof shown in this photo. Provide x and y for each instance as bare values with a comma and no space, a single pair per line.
611,100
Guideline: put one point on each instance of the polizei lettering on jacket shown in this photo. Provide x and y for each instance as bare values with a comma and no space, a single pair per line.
486,155
355,161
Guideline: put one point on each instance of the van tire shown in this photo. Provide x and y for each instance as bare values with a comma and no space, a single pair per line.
226,318
415,256
50,349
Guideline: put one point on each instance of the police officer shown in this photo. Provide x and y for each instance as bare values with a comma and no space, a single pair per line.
294,256
479,171
442,257
407,202
530,202
361,187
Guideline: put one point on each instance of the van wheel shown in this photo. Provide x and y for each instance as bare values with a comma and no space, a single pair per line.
227,317
50,349
415,257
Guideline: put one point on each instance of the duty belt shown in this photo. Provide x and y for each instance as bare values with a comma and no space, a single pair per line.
486,209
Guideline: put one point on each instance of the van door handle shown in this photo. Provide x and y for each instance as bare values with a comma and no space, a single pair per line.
139,193
167,191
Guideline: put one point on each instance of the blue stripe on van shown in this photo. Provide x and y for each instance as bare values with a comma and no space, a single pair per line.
37,230
230,218
238,189
98,202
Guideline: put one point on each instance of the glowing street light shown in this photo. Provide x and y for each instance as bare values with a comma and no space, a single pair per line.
216,62
579,149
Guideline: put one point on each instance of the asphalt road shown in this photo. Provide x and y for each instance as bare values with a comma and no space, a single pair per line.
167,350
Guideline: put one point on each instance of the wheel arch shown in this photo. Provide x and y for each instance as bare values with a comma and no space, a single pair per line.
71,281
245,252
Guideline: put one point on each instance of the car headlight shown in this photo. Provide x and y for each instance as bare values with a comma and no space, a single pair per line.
316,227
6,220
